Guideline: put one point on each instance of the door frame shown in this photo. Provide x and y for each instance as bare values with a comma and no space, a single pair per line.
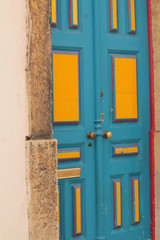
45,131
152,120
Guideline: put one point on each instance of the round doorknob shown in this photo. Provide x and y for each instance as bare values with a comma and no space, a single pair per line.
107,134
91,135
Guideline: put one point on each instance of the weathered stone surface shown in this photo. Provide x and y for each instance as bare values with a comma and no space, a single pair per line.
157,181
156,58
41,156
39,69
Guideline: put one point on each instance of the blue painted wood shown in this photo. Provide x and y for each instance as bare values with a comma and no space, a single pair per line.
98,127
74,136
95,44
125,167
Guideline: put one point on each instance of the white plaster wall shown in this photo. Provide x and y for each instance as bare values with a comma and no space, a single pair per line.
13,121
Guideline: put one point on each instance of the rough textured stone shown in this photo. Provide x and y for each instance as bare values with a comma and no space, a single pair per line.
42,189
39,69
156,58
41,155
157,181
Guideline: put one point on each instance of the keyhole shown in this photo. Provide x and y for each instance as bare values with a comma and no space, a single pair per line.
90,144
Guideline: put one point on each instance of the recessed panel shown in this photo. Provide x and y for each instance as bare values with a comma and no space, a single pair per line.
54,12
69,173
117,203
132,16
74,13
124,81
66,87
69,154
113,16
135,201
125,150
77,211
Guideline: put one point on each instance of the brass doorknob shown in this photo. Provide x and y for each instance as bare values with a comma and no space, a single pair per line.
91,135
107,134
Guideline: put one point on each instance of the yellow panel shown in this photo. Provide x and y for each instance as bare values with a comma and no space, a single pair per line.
75,12
54,11
126,88
68,155
78,198
114,14
126,150
133,21
69,173
136,201
66,87
118,204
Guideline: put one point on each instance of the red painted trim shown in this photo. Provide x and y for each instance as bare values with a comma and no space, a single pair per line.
152,119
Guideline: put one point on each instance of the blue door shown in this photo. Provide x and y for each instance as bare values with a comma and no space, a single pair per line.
100,117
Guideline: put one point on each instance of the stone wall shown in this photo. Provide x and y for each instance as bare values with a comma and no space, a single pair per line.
156,55
39,69
41,158
41,149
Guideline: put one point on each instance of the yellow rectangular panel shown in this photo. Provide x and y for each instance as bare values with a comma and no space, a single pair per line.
77,210
132,16
133,21
65,87
136,201
69,173
125,150
75,12
69,155
114,14
118,204
125,88
78,198
54,12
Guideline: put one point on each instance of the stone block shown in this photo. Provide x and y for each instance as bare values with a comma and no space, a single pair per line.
41,162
